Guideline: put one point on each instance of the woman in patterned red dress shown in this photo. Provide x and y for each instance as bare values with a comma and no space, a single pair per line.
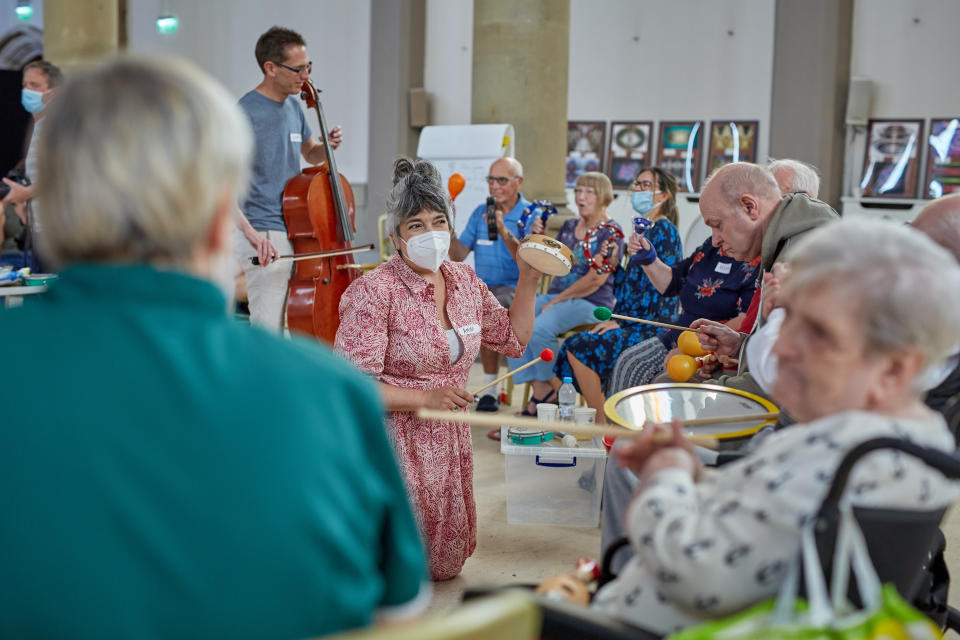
416,323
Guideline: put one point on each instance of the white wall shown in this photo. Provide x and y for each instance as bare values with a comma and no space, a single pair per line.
631,60
448,60
8,19
653,60
219,35
909,50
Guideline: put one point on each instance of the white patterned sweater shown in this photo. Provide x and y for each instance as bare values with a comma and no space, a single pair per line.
708,549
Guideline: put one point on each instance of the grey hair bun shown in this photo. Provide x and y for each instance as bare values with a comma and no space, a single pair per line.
415,171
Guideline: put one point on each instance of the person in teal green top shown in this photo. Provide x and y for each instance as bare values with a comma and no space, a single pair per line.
166,471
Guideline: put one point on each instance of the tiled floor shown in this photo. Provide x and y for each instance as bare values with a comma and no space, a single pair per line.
530,553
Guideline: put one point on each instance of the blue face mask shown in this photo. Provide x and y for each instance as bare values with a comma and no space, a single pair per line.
31,100
641,201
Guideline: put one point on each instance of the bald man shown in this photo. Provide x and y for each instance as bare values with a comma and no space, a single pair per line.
748,216
495,259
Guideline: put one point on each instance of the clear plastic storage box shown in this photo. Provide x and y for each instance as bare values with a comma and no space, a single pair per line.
553,484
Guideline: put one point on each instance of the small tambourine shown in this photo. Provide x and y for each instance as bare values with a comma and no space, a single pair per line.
546,210
641,225
546,255
529,436
606,264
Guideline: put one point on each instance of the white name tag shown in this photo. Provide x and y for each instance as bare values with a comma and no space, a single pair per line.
295,137
723,267
469,330
485,243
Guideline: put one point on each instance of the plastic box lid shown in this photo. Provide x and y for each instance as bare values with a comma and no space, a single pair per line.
592,448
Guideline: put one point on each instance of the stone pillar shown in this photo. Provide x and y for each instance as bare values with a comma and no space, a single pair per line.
810,87
79,33
520,66
397,36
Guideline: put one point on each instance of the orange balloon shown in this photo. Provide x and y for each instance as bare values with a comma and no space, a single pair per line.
690,344
681,368
455,185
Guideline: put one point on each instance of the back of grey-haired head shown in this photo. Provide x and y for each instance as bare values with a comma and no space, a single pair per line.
134,159
806,179
738,178
902,285
417,185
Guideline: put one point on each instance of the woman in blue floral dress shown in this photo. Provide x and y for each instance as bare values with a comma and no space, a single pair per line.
710,284
588,357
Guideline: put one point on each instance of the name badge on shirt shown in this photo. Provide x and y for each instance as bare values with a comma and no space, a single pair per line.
295,137
469,330
723,267
485,243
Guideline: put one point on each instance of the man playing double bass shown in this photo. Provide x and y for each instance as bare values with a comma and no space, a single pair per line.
282,136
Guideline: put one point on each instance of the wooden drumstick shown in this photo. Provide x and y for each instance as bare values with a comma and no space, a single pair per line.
602,313
546,356
586,429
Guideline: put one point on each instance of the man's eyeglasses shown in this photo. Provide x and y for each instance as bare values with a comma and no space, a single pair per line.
297,70
500,180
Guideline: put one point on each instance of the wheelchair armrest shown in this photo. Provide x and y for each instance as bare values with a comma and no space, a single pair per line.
953,619
566,621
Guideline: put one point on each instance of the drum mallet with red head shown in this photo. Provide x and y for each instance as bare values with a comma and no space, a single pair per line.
545,356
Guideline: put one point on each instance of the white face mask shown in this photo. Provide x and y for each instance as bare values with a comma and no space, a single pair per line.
428,250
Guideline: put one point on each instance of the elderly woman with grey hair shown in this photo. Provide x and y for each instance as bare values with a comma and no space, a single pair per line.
230,479
711,542
416,324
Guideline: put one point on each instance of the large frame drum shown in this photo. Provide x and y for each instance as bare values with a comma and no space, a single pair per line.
663,402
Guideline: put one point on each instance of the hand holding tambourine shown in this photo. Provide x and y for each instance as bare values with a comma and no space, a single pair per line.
541,252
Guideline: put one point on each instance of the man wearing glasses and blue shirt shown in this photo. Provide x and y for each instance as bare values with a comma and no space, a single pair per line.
282,137
494,259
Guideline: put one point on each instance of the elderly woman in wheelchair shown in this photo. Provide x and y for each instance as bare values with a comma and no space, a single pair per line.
869,307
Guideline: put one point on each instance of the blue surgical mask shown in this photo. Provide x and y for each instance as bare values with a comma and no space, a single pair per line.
641,201
31,100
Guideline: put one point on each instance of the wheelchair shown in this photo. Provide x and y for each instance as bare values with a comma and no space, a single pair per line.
906,548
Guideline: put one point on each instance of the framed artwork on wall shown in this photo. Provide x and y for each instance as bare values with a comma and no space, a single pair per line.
679,152
628,152
584,148
732,141
943,158
891,160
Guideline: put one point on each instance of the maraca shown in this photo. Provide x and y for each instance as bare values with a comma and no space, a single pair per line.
681,368
455,185
572,588
690,344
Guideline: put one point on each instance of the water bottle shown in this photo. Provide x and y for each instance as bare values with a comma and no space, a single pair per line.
567,399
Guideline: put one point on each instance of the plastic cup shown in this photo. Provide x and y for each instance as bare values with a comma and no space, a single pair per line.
547,411
584,415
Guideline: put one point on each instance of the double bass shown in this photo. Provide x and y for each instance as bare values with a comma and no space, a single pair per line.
319,212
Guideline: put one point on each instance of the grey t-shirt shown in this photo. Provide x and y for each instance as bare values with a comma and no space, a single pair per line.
279,129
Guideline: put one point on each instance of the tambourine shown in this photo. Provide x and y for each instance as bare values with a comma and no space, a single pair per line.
663,402
529,436
605,265
641,225
546,210
546,255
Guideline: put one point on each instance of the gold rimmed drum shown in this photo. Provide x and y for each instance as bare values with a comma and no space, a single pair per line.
662,403
546,255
